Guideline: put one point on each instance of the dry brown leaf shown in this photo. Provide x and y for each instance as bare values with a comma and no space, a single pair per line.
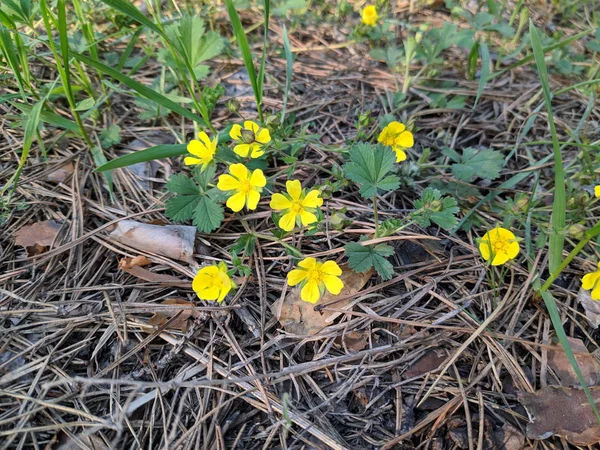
431,360
181,322
37,236
172,241
300,317
153,277
128,263
355,341
61,174
509,438
561,411
591,307
590,369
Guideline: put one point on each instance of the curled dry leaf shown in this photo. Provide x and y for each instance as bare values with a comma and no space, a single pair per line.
591,307
562,411
300,317
590,368
431,360
172,241
186,310
128,263
37,236
62,173
354,341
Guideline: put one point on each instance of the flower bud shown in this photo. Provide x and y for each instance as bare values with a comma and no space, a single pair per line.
577,231
436,205
247,136
233,105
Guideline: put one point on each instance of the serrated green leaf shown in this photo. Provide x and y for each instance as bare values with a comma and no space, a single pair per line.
362,258
431,207
110,136
205,177
208,215
369,167
182,185
451,153
181,207
485,164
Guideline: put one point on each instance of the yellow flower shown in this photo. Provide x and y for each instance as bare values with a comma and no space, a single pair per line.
251,139
316,277
369,16
396,135
296,205
499,245
247,186
590,282
597,191
212,283
203,151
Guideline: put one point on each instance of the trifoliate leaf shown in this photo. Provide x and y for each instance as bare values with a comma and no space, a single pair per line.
182,185
181,207
110,136
485,163
369,167
208,215
362,258
431,207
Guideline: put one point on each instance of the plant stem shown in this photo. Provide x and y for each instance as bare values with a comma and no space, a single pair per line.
376,215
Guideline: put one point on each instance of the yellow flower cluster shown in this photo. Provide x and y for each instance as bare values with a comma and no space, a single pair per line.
296,205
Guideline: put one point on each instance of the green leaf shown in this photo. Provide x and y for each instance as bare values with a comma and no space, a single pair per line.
361,258
149,154
485,71
141,89
481,163
205,177
110,136
182,185
85,104
245,244
182,207
369,166
127,8
431,207
208,215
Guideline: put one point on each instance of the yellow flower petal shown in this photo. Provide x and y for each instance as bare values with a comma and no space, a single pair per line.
256,151
331,268
227,183
279,202
239,171
596,292
597,191
205,139
258,178
590,280
405,140
237,201
307,218
500,259
333,284
308,263
312,199
252,200
263,136
189,161
236,132
369,16
485,249
294,188
210,293
287,221
197,148
242,150
296,276
400,155
310,292
249,125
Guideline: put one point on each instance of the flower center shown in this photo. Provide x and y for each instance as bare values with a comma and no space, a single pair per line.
296,207
499,247
245,186
315,275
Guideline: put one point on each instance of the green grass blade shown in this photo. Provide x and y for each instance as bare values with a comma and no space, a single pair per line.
8,49
261,71
49,118
289,64
547,49
240,36
141,89
564,342
557,238
33,121
127,8
485,70
149,154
